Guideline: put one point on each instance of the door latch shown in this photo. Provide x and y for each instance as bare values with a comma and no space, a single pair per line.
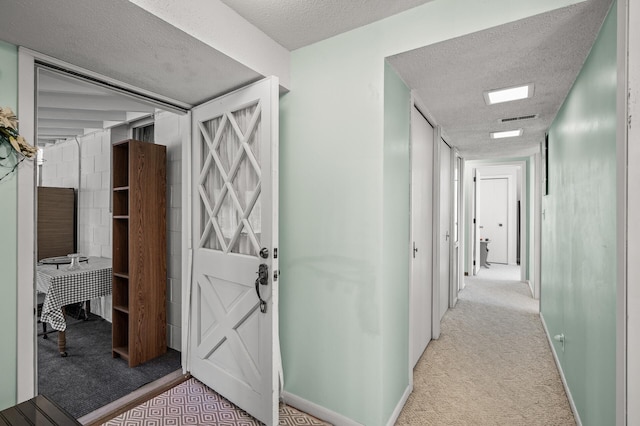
264,252
263,279
263,274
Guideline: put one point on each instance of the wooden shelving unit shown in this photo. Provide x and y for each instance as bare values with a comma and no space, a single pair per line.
139,251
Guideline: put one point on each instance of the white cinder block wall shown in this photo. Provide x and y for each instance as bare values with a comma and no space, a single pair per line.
168,133
60,169
94,195
60,166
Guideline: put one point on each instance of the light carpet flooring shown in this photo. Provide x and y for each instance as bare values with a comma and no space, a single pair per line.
500,272
492,364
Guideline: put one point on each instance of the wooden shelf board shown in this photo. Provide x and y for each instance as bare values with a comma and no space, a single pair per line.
121,188
123,351
121,216
121,275
121,308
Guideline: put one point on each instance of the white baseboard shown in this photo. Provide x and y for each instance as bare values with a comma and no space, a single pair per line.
530,284
564,380
400,406
317,411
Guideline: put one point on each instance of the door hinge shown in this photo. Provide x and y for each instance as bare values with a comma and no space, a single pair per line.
474,220
275,253
474,263
474,178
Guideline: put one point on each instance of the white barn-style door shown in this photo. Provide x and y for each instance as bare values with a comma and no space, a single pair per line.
234,347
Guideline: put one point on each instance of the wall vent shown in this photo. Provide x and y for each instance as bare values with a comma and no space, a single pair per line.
523,117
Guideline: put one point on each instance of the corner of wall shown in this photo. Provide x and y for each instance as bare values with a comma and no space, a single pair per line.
395,246
8,238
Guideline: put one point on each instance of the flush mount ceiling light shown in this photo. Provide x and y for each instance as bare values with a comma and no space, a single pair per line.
508,94
506,134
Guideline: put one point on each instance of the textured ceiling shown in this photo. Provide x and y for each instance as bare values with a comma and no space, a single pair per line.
297,23
547,50
121,40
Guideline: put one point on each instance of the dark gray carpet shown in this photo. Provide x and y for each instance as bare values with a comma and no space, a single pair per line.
89,378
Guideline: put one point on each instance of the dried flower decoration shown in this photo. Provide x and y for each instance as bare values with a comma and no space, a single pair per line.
9,133
13,148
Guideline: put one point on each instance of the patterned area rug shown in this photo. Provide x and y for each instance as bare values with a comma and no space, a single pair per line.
193,403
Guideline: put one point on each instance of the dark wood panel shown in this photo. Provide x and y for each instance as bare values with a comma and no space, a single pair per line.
56,221
37,411
145,247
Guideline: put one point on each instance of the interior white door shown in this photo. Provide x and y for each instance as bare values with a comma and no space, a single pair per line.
234,346
494,224
445,226
421,303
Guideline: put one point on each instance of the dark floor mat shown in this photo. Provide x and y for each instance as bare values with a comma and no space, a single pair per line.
89,377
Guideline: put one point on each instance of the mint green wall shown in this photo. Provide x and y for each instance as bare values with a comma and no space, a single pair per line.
341,317
579,233
395,241
8,242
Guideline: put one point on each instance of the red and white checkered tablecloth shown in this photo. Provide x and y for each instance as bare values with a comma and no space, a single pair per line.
63,287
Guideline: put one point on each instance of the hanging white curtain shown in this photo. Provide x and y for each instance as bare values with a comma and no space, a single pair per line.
237,191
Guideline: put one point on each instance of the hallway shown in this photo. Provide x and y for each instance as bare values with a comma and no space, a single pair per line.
491,366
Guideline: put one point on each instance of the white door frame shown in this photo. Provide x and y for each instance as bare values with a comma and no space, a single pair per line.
470,166
455,246
26,327
510,188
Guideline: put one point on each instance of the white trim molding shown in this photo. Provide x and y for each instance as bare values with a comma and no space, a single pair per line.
400,406
316,410
26,325
564,380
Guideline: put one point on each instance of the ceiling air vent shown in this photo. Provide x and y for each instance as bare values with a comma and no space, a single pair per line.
524,117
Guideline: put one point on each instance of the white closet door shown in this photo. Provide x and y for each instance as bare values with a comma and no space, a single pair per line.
445,226
422,233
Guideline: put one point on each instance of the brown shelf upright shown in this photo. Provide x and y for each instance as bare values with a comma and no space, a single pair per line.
139,251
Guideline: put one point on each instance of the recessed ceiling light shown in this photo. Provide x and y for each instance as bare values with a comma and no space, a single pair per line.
506,134
509,94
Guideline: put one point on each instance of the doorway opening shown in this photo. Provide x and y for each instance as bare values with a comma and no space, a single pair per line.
498,221
77,123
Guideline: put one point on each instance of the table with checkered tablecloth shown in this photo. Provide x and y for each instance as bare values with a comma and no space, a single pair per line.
63,287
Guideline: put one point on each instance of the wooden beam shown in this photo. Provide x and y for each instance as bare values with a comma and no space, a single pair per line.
81,114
